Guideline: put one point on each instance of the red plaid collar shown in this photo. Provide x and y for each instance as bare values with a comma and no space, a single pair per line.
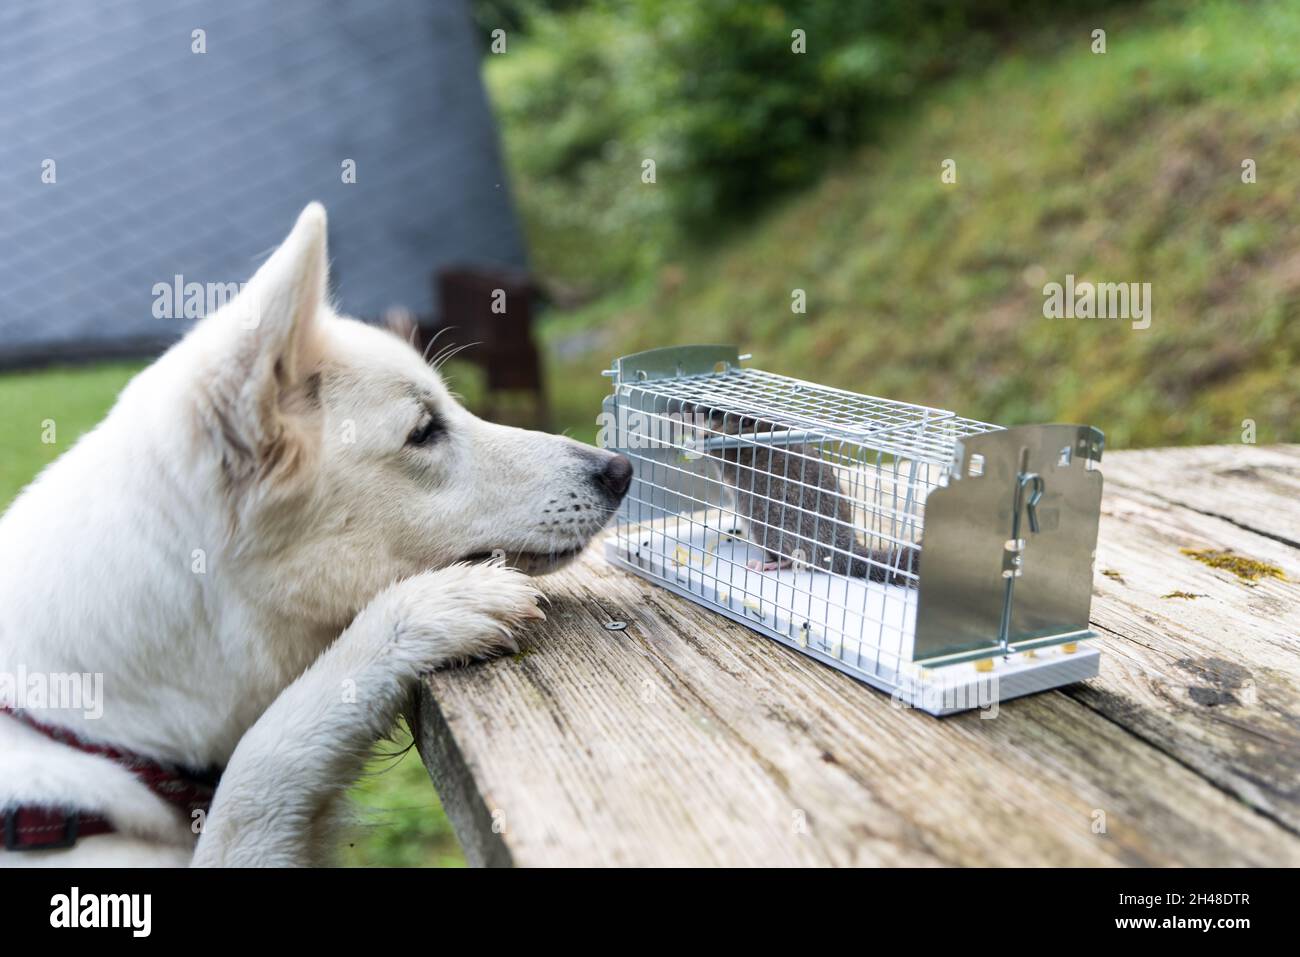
39,826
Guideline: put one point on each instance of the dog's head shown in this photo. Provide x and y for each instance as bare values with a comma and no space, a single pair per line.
343,461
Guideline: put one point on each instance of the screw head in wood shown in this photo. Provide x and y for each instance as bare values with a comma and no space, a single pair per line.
616,626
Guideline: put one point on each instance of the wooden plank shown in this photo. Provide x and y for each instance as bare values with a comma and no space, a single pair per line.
1256,487
1212,680
687,739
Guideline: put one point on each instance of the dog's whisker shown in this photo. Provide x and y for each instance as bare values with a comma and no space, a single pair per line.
448,354
433,339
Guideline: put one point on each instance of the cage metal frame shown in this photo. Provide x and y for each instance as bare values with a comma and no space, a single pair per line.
712,444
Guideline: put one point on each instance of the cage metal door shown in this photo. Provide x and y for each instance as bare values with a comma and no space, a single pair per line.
1053,594
1009,542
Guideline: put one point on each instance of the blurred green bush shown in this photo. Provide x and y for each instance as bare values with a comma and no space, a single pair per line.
716,94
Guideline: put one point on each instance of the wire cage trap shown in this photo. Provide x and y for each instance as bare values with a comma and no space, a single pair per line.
944,560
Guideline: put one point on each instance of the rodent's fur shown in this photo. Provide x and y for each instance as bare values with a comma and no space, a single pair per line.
791,504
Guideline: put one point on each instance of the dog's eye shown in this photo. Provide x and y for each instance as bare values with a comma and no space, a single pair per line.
426,432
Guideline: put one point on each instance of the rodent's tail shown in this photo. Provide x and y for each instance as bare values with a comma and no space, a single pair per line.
886,564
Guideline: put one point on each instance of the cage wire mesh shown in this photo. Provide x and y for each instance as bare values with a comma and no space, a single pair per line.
796,508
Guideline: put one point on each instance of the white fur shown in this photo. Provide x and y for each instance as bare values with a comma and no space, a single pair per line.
273,438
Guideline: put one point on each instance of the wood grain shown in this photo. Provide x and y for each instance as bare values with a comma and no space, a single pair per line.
1256,487
687,739
1213,680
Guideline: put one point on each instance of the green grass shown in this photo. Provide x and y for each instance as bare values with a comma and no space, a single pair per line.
399,820
1122,167
72,400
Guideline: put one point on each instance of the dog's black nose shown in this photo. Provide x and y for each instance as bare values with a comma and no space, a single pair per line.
616,475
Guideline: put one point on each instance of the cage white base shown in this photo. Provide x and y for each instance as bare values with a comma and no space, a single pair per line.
710,569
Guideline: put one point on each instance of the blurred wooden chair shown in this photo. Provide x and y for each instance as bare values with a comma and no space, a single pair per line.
489,311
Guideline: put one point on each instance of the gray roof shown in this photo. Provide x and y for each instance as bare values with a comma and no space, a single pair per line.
171,162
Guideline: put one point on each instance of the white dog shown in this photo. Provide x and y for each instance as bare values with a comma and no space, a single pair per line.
259,550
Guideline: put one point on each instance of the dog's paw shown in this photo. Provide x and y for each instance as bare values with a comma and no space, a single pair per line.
461,613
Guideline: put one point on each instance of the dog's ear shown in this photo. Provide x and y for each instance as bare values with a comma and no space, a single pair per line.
266,377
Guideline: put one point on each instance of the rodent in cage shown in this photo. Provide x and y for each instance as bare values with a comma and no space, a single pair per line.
790,503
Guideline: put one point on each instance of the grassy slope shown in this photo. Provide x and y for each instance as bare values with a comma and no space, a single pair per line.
1124,166
400,822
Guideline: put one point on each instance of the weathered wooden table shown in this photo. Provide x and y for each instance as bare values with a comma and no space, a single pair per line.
687,739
